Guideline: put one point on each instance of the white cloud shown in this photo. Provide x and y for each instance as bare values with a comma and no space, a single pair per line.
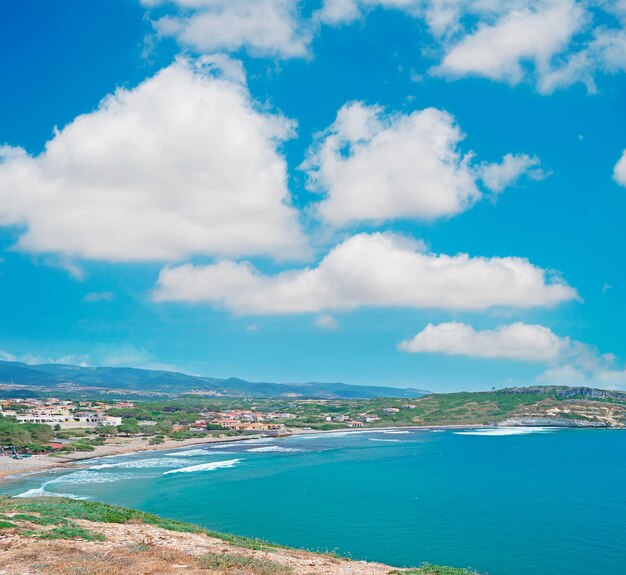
582,364
264,27
499,51
619,173
376,270
571,362
97,296
6,356
496,177
552,43
121,355
605,52
39,359
602,377
102,355
515,341
326,321
185,163
376,166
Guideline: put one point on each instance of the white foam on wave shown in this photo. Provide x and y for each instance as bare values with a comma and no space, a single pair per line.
502,431
192,453
274,448
93,476
385,440
206,466
41,492
395,432
140,464
333,434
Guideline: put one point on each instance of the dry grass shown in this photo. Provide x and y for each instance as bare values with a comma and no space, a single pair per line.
61,558
239,563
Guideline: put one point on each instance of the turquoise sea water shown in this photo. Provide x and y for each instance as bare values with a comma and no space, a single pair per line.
506,502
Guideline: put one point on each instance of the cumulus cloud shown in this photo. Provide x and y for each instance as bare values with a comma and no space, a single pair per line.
602,376
571,362
496,177
582,364
515,341
498,51
185,163
552,43
619,173
377,166
368,270
264,27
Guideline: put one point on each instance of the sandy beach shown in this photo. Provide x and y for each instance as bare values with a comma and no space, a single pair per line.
14,468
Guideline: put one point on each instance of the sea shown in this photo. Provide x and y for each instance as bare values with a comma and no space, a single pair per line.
504,501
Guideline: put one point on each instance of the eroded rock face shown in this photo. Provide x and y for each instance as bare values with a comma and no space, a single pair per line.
550,422
568,392
591,393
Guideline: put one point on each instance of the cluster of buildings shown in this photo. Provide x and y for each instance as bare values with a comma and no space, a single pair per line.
242,420
363,418
56,412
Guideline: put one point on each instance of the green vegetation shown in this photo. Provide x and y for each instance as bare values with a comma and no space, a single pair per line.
60,511
236,561
172,418
22,435
69,531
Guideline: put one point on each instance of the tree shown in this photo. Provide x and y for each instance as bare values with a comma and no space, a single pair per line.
163,427
128,427
12,433
106,430
39,432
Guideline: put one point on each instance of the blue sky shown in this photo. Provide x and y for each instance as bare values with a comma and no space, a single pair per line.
282,190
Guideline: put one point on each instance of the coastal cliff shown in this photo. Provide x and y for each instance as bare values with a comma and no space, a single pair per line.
59,536
551,422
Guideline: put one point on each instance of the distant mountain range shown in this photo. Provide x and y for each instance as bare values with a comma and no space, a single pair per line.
20,379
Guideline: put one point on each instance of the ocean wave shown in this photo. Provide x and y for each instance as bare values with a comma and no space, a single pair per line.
274,448
333,434
206,466
395,432
502,431
385,440
93,476
192,453
41,492
241,442
140,464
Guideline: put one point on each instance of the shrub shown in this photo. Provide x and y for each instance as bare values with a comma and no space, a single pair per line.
67,532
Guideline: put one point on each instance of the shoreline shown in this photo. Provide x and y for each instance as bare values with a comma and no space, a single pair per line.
16,469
